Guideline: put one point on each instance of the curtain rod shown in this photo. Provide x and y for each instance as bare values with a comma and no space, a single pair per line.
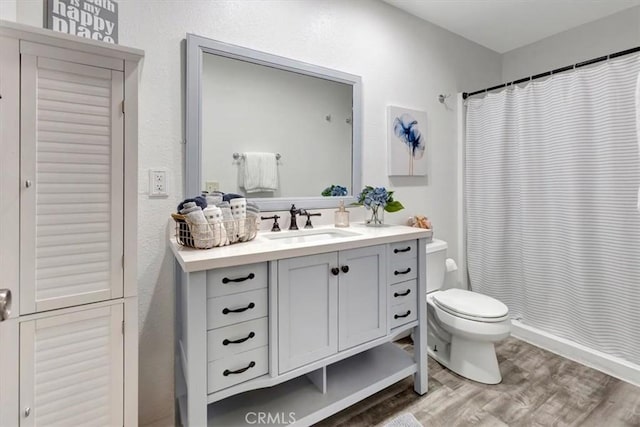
465,95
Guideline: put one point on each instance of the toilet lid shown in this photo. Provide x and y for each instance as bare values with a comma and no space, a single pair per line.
471,304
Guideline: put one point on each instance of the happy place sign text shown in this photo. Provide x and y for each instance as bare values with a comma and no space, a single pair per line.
93,19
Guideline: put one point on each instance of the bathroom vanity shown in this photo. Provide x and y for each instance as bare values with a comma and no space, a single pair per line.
293,327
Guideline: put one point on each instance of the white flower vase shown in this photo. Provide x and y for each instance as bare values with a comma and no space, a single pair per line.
376,219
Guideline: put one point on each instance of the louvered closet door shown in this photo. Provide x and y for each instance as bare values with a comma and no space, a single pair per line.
71,221
71,369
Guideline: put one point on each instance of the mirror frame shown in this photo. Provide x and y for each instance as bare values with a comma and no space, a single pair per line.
197,46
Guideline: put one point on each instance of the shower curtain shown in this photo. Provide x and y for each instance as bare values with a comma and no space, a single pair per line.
551,201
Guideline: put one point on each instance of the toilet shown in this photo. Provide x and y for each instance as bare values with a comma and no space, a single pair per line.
462,325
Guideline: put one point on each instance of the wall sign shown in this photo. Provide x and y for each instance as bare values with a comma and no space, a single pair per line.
93,19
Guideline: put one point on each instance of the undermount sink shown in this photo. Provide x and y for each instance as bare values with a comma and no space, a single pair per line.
306,236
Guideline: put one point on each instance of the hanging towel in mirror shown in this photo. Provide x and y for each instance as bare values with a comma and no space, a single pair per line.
260,172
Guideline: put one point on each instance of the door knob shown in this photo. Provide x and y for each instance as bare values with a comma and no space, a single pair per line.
28,183
5,304
27,411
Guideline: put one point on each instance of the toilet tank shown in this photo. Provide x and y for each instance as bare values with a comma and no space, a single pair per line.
436,259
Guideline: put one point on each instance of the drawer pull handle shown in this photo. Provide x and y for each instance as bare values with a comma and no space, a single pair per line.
398,316
238,310
345,269
227,372
239,341
404,294
226,280
335,271
407,249
408,270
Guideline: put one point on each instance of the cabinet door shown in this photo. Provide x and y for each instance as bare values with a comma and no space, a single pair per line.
362,296
9,372
307,310
71,369
71,165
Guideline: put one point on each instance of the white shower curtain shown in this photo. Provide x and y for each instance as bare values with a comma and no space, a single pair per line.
551,189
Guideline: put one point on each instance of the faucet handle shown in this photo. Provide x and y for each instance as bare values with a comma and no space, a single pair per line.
309,215
276,226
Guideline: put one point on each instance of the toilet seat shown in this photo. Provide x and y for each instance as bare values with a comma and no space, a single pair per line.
471,305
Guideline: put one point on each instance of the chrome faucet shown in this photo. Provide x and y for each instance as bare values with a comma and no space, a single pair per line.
293,225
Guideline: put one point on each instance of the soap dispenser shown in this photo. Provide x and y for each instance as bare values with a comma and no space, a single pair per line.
342,216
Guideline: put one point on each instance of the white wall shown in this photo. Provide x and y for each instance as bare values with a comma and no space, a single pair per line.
613,33
8,10
249,107
403,61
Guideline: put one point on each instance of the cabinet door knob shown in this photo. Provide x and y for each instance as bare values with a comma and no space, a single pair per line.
27,411
28,183
345,269
335,271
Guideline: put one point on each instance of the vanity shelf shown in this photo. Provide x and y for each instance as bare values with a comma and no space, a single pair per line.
348,382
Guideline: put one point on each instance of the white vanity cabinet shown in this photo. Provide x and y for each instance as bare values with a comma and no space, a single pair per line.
307,310
329,303
68,224
302,329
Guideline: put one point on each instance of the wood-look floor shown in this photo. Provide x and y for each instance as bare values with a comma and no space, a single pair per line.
539,388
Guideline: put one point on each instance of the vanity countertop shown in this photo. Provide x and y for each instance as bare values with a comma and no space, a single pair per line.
262,248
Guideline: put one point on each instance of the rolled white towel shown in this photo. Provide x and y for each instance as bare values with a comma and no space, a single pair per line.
229,223
198,225
214,218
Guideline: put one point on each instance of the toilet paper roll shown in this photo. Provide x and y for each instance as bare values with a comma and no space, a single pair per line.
451,265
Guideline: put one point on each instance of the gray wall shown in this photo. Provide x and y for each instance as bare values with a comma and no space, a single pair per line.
611,34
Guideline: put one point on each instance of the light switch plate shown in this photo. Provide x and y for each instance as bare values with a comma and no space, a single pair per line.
158,183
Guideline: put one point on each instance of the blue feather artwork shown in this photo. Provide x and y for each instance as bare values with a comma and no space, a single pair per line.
407,142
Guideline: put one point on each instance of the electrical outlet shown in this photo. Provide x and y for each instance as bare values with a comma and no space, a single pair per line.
211,186
158,183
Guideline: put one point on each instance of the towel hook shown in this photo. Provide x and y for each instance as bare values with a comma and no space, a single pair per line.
442,98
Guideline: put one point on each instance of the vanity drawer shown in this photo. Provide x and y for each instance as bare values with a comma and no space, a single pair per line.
236,308
402,269
233,280
238,338
238,368
407,248
403,292
403,313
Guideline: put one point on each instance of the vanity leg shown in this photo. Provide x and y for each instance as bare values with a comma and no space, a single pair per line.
195,314
420,378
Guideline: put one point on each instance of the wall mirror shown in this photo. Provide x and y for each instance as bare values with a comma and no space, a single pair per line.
253,116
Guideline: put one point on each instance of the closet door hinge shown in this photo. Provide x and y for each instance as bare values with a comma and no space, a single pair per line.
122,261
122,106
123,327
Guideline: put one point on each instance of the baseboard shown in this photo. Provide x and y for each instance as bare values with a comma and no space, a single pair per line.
610,365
